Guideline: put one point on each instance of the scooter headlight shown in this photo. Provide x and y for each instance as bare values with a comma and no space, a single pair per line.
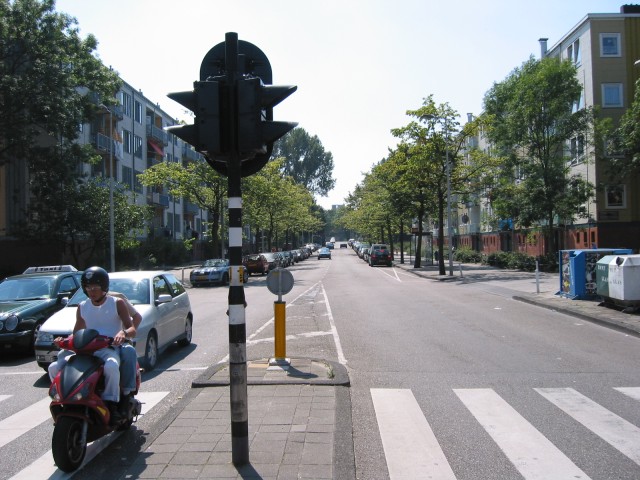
53,393
82,393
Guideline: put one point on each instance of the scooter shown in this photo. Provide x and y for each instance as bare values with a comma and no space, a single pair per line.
80,415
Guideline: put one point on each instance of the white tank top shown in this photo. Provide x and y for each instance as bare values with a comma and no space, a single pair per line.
103,318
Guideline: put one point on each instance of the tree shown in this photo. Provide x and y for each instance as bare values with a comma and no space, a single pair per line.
418,168
306,161
531,122
46,74
626,140
196,182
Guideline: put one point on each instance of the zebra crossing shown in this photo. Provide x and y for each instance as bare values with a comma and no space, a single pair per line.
31,417
413,451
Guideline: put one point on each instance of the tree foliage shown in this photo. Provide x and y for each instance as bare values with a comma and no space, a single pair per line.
46,74
306,161
532,119
627,140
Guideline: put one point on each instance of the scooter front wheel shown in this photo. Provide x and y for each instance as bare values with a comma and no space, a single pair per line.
67,444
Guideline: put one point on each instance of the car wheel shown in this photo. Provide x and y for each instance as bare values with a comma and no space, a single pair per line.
150,359
188,333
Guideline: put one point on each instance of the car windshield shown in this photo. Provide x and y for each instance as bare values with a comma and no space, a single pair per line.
253,258
215,263
26,288
136,290
269,256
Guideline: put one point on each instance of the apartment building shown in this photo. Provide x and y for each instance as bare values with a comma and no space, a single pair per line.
605,47
130,138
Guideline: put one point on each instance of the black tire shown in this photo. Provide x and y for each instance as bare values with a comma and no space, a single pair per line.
150,359
66,444
188,331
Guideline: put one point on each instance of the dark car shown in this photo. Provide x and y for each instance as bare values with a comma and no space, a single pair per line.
213,271
27,300
273,260
256,264
380,254
324,253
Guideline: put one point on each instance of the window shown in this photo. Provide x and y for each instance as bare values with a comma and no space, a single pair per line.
578,104
137,186
137,143
610,45
127,104
615,196
611,95
127,141
573,53
576,149
137,113
126,176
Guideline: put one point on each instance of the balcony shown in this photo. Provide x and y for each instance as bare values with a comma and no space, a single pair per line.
190,208
189,154
157,135
158,199
107,145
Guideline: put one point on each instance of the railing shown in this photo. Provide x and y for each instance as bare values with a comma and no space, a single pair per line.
189,153
157,134
158,199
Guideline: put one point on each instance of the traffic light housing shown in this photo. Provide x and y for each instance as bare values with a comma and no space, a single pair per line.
205,134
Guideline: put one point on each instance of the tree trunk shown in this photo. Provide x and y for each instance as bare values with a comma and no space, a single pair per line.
401,241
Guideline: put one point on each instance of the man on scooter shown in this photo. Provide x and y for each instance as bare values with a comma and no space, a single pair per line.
109,316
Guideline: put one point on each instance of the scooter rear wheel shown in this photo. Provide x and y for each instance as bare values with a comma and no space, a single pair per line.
67,446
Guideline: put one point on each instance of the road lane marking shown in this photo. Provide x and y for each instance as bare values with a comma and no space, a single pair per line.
530,451
19,423
4,397
334,330
633,392
44,467
616,431
410,446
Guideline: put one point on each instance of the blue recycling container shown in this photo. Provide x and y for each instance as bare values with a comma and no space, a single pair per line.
578,271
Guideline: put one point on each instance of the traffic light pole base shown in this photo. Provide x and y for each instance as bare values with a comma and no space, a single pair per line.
279,364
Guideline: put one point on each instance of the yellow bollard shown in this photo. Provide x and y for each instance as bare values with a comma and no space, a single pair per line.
280,331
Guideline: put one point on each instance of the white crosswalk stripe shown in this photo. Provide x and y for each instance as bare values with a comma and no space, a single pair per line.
44,467
412,450
616,431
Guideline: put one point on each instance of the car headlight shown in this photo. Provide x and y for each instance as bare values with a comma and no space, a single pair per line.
44,337
11,322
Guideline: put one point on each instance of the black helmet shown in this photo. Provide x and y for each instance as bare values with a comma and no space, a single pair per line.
95,276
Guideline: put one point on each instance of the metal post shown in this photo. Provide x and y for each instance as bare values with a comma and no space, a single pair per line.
449,208
237,324
112,246
537,277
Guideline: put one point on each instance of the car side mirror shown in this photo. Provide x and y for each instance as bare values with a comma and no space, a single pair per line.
164,298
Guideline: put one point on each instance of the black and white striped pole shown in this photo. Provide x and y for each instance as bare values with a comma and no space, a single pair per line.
234,128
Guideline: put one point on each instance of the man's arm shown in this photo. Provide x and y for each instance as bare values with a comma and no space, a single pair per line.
129,329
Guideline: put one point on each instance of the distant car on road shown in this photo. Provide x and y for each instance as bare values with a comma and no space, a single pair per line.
213,271
324,253
256,264
330,245
27,300
343,245
160,299
379,254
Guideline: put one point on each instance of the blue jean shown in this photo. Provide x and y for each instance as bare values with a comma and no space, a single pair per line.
128,368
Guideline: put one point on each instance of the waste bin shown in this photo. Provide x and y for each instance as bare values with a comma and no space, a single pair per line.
622,285
578,270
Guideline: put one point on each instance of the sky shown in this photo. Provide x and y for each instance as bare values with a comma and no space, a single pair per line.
359,65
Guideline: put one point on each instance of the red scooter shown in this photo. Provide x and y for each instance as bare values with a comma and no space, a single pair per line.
79,413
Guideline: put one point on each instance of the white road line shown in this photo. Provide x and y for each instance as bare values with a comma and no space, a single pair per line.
4,397
616,431
385,272
44,467
531,453
633,392
23,421
410,447
334,330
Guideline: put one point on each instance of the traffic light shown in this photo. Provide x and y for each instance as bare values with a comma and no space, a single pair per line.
205,134
256,129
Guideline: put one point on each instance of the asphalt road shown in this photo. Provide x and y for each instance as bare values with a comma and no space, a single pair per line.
417,351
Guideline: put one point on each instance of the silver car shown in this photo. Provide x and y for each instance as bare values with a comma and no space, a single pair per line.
160,299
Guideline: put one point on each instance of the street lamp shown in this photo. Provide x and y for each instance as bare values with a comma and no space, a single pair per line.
112,248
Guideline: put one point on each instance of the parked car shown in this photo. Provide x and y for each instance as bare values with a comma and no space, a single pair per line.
213,271
379,254
160,299
27,300
330,245
273,259
361,247
365,254
324,253
287,258
256,264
